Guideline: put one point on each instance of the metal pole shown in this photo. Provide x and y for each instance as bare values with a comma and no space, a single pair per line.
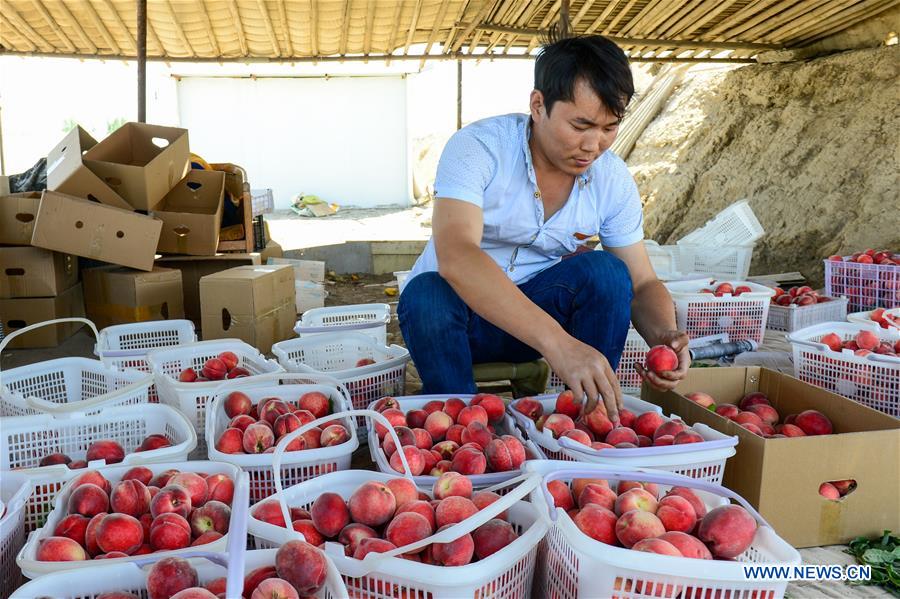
142,60
459,94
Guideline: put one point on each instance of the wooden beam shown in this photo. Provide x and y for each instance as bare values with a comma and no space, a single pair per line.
207,23
78,28
754,7
449,40
612,24
720,6
645,13
105,33
438,21
24,29
524,18
485,9
178,28
111,9
345,26
396,25
518,13
313,27
665,26
238,26
847,18
583,11
53,25
545,23
788,29
599,20
264,11
808,7
412,26
657,19
151,34
370,20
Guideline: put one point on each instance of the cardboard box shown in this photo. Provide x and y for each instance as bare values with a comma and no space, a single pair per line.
67,173
272,250
193,269
191,214
116,295
253,303
304,270
19,313
781,477
35,272
309,295
141,162
17,214
68,224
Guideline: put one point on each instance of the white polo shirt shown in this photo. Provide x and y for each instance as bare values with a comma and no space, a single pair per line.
488,163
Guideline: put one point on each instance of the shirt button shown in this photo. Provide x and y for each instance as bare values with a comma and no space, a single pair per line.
512,268
537,194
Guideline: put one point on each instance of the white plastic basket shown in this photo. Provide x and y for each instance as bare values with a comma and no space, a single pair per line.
793,317
731,261
126,345
872,380
704,314
14,491
865,317
67,385
635,351
33,568
402,278
573,565
336,355
663,258
297,466
736,225
505,574
505,426
867,286
191,398
24,440
370,319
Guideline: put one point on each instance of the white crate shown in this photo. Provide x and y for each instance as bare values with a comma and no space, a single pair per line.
736,225
262,201
370,319
24,440
793,317
191,398
573,565
866,318
33,568
704,314
336,355
731,261
635,351
67,385
867,286
663,258
15,488
872,380
296,466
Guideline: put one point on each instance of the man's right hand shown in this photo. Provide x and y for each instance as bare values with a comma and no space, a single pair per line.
587,373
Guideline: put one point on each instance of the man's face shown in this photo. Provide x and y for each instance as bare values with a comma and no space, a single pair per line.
575,133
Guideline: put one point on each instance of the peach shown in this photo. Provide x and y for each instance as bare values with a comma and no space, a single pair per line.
130,497
395,417
169,531
567,405
350,537
656,546
598,423
562,495
704,400
254,577
450,484
221,488
209,536
229,358
213,515
620,434
579,484
469,461
867,340
404,433
139,473
634,525
413,458
285,424
687,437
305,416
676,513
72,526
453,407
372,504
275,588
687,545
597,495
455,553
214,369
171,498
482,499
829,491
311,439
334,435
217,585
727,530
237,403
644,441
478,433
231,441
367,546
635,499
529,407
454,433
119,532
557,424
302,565
627,485
54,458
90,534
154,441
437,423
597,522
88,500
728,411
833,341
753,428
432,406
416,418
386,403
107,450
195,485
516,450
169,576
627,418
492,404
77,464
646,424
316,402
453,509
422,508
578,436
403,489
766,413
257,438
446,449
752,399
407,528
813,422
274,409
471,414
670,427
664,440
188,375
844,486
422,438
498,456
661,358
790,430
237,372
748,418
441,467
330,514
493,536
313,536
692,498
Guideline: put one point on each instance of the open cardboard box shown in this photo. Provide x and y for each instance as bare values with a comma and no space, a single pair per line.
21,312
191,214
74,226
141,162
67,173
117,295
17,214
35,272
195,268
781,477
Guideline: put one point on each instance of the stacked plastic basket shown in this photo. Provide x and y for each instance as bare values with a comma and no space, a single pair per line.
867,286
702,313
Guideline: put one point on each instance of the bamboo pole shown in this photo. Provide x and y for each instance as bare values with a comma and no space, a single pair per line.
24,29
77,27
545,22
741,15
345,25
847,19
313,29
238,26
207,24
808,9
270,30
370,19
721,6
612,24
645,13
599,20
179,29
801,24
485,8
412,27
398,7
54,26
286,25
583,11
438,21
121,24
105,33
525,15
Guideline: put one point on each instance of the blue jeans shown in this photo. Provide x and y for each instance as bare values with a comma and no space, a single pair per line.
589,294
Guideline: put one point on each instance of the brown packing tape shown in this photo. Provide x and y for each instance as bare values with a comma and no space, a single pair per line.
181,243
128,313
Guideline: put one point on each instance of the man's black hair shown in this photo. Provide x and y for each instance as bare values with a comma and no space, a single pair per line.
593,58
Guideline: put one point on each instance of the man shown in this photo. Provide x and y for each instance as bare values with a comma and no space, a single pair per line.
517,193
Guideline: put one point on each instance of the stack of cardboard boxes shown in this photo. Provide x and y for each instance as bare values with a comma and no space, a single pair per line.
121,201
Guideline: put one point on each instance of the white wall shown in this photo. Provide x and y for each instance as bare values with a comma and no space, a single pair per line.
341,138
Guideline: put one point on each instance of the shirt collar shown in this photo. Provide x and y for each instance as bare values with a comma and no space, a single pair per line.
584,178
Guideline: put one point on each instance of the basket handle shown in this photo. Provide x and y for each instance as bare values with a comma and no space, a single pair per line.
8,338
286,440
83,406
706,445
237,539
643,475
321,379
359,568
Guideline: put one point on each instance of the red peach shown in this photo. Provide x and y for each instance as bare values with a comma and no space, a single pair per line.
727,410
88,500
375,545
395,417
286,423
482,499
688,545
237,403
844,486
790,430
312,439
620,434
221,488
212,516
372,504
597,495
472,414
229,358
676,513
252,580
752,399
302,565
237,372
309,532
813,422
635,499
330,514
141,473
423,438
634,525
119,532
305,416
516,450
578,436
670,427
403,489
59,549
77,464
446,449
107,450
171,498
169,531
90,534
214,369
661,358
469,461
55,458
454,433
450,484
274,409
217,585
334,435
257,438
748,418
414,460
644,441
627,418
404,433
316,402
437,423
727,530
597,522
130,497
766,413
386,403
422,508
579,484
195,485
692,498
274,588
867,340
557,424
72,526
627,485
529,407
188,375
231,441
453,407
169,576
687,437
453,509
704,400
407,528
455,553
209,536
562,495
269,511
664,440
656,546
432,406
476,432
493,536
753,428
498,456
647,423
492,404
567,405
441,467
829,491
598,422
416,418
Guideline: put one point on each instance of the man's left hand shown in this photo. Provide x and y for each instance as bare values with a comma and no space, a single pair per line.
666,381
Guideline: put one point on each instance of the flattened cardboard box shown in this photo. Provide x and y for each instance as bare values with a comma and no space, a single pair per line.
67,173
35,272
195,268
117,295
253,303
17,214
191,214
92,230
19,313
781,477
141,162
